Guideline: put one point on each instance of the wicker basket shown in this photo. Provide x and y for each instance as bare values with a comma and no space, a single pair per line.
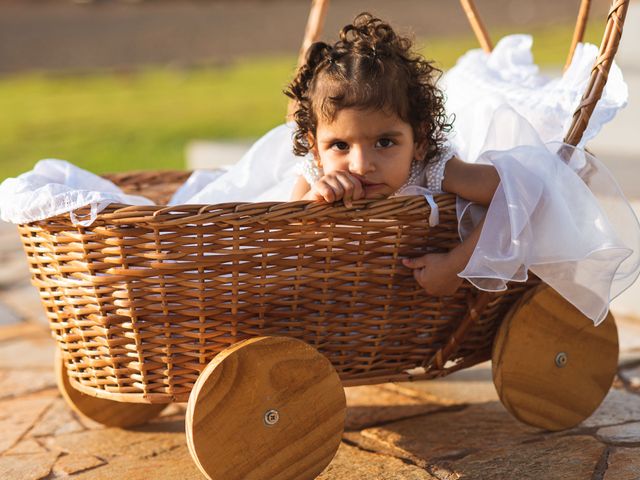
142,300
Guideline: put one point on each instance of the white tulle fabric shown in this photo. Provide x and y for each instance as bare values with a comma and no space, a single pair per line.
266,173
480,83
55,187
560,215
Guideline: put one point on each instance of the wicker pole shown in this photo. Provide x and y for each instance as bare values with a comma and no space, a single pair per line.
312,32
476,24
599,72
578,33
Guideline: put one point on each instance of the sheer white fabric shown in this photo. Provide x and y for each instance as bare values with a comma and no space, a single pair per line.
55,187
579,235
480,83
266,173
562,216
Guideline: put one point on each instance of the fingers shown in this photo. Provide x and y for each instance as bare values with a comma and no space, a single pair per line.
351,186
339,185
418,262
327,190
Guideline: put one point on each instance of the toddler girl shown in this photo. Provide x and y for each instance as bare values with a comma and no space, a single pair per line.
369,111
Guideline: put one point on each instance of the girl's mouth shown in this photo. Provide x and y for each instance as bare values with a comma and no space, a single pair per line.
367,183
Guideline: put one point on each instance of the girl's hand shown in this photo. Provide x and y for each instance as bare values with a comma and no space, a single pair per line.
336,186
437,273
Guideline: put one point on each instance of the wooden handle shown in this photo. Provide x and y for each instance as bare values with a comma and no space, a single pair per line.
476,24
315,25
578,33
312,32
599,72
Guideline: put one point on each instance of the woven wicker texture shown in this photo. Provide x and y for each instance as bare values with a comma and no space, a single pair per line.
144,298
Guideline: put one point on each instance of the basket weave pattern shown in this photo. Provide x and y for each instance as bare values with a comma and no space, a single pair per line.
143,299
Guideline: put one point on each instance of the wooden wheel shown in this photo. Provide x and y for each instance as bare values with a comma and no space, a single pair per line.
266,408
107,412
551,366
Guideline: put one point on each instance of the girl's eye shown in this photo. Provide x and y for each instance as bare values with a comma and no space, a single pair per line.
384,143
340,146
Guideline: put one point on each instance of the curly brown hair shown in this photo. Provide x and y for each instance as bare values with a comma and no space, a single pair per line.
370,67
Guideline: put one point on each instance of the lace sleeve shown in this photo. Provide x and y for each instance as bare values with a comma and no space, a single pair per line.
308,168
435,171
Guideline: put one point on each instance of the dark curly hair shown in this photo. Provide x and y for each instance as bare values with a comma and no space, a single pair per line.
369,67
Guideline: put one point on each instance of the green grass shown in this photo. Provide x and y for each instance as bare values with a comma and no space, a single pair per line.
109,122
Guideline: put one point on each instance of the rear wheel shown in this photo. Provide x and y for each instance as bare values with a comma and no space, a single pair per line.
107,412
551,366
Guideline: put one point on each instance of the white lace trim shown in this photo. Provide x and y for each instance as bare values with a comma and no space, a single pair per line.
309,169
435,173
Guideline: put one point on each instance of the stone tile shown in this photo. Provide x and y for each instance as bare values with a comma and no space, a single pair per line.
619,406
25,301
76,463
23,330
15,383
139,443
630,375
10,243
351,463
14,272
173,410
629,357
624,464
30,353
58,420
17,417
566,458
471,385
34,466
620,434
25,447
628,333
8,316
374,404
452,434
171,465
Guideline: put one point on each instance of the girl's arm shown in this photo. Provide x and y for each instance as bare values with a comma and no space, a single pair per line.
437,273
471,181
300,188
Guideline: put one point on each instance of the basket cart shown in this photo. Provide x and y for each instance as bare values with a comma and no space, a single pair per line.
258,314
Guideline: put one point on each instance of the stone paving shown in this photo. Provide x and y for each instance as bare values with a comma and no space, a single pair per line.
445,429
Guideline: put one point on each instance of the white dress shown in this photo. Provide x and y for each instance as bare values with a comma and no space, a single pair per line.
563,217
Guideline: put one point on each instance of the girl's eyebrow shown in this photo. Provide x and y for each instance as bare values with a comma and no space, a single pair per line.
332,139
336,138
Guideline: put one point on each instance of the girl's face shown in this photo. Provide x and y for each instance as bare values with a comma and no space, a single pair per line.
372,145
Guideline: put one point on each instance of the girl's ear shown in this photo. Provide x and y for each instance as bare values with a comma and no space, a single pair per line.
419,150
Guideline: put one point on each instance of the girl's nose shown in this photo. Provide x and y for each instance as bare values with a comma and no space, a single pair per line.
360,162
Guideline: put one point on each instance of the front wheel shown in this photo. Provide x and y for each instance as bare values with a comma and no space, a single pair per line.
266,408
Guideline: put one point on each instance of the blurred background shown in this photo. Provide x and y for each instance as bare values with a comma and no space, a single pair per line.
116,85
